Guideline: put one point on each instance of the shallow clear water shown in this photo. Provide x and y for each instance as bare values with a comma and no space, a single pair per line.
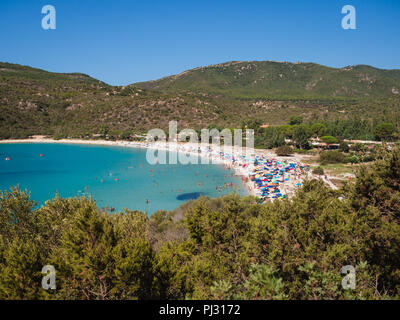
118,177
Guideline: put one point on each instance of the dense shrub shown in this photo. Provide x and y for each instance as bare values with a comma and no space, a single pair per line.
359,147
301,134
344,147
368,158
231,248
329,139
352,159
318,170
318,129
327,157
385,131
284,151
270,137
296,120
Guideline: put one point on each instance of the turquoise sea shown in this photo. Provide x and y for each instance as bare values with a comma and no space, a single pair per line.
118,177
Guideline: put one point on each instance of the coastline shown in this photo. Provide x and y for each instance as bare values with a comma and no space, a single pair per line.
248,186
241,167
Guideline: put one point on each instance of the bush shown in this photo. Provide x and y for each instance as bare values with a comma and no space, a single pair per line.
269,138
295,120
368,158
284,151
329,139
233,248
352,159
318,129
301,136
359,147
318,170
331,157
60,136
344,146
384,131
126,135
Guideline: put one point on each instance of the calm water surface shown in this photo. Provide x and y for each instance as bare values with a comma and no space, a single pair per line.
117,177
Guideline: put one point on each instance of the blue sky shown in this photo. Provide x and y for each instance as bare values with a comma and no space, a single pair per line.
126,41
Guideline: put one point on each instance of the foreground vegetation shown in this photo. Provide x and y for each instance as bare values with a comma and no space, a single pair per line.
211,248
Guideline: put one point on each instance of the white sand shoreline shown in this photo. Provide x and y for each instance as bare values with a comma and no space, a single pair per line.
249,188
182,147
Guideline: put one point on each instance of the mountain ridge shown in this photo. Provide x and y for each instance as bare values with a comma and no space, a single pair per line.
261,79
35,101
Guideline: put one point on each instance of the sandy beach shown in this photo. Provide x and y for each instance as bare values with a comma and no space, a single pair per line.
241,166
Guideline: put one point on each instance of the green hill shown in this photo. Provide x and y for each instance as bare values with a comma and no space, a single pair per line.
283,80
34,101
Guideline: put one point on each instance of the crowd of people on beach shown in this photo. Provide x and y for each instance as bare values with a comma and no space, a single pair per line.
263,177
274,179
267,178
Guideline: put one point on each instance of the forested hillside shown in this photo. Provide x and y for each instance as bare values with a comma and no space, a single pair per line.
33,101
283,80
